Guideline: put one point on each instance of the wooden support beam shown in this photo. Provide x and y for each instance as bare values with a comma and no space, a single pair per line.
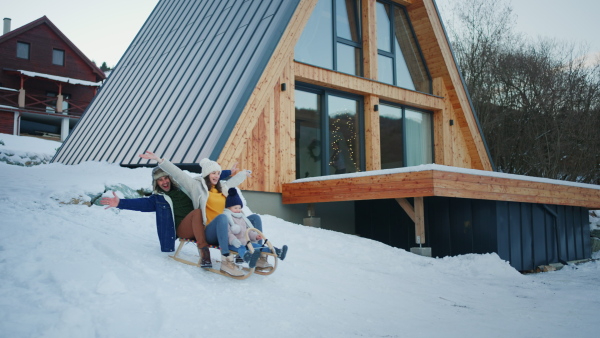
417,215
408,208
357,85
369,39
372,133
419,220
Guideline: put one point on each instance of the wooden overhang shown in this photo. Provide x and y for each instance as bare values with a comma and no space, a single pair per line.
437,180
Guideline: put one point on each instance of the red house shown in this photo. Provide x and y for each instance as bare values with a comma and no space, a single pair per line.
46,82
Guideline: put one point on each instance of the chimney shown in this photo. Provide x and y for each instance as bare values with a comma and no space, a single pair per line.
6,25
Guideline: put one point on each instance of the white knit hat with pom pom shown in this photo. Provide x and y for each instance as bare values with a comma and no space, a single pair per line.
209,166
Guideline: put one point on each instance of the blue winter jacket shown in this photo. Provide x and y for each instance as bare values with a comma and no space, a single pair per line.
165,220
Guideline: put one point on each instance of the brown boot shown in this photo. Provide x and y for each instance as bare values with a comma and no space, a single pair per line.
205,261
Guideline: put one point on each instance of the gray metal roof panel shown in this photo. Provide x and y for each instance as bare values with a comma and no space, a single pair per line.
182,84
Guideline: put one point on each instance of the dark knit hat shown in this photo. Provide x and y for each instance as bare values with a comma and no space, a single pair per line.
233,198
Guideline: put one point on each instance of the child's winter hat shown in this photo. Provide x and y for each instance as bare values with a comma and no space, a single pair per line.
233,198
209,166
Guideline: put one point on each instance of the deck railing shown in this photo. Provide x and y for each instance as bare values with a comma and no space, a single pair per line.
42,103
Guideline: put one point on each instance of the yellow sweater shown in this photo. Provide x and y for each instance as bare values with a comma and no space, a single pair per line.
214,205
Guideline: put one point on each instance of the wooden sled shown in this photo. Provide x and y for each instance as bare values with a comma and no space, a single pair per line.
217,263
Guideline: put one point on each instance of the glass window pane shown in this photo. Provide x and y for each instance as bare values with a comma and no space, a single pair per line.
346,25
419,148
315,45
348,59
22,50
385,69
58,57
390,128
308,134
344,143
384,40
403,78
410,66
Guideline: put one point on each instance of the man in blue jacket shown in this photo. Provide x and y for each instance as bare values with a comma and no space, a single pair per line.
175,213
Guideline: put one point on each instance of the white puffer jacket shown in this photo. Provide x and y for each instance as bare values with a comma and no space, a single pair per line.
196,188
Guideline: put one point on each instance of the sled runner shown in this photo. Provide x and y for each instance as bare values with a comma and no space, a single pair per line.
271,256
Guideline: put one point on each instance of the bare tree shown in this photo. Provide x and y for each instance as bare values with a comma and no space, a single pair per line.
538,101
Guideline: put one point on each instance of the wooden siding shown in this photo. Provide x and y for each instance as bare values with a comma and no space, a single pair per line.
441,183
441,64
263,139
43,37
361,86
7,122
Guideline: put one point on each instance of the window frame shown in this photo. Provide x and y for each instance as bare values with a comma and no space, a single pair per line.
323,120
395,6
63,56
403,108
335,40
28,50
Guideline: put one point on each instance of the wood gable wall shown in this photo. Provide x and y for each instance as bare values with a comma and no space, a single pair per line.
264,137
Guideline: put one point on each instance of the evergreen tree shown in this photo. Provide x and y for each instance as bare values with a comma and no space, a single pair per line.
105,67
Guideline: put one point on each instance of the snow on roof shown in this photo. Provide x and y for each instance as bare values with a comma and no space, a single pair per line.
438,167
60,78
8,89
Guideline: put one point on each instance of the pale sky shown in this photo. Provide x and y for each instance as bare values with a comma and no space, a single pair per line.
566,21
103,30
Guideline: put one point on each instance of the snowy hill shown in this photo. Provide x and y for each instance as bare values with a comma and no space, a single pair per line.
71,270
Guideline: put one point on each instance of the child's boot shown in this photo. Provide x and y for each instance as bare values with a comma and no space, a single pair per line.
251,258
281,252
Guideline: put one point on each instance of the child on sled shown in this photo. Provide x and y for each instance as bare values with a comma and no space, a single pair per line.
253,251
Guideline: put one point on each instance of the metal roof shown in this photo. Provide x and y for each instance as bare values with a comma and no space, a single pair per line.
182,84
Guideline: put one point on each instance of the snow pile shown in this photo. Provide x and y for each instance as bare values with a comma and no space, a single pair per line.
26,151
71,270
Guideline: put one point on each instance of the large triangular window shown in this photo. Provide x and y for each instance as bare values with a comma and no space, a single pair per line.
399,59
331,38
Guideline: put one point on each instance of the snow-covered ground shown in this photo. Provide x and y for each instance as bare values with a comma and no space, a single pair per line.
70,270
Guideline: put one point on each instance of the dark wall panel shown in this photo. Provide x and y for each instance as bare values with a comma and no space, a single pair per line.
438,224
524,234
514,224
502,231
539,218
527,242
484,226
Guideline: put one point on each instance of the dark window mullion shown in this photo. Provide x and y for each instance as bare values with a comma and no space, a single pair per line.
393,49
348,42
404,147
325,134
334,32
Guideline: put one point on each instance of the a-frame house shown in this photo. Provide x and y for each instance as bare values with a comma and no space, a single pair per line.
351,112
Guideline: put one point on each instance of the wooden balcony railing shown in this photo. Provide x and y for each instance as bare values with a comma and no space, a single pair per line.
42,103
